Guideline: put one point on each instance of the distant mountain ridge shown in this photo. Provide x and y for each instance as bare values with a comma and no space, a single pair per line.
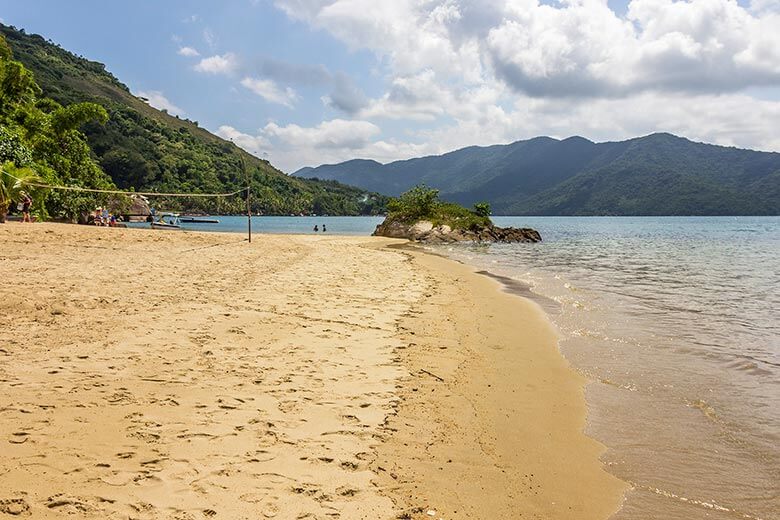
658,174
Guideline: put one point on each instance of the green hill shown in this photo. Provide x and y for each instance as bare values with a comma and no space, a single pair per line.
147,149
659,174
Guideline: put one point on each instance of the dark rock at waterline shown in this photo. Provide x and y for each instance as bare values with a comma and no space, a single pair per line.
425,231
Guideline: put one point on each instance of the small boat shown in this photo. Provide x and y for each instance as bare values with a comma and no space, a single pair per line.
198,220
166,221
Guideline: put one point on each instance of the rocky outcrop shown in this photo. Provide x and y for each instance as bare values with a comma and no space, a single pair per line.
425,231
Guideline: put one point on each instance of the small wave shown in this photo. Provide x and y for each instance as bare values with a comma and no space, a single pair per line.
707,504
706,409
629,386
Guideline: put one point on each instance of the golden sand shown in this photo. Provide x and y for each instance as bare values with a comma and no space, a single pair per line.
189,375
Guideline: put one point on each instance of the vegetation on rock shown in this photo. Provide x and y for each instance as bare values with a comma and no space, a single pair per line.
422,203
419,215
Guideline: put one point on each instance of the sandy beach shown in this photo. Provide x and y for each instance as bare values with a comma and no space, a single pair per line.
157,375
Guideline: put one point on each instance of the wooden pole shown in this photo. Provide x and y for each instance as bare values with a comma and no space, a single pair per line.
249,213
248,200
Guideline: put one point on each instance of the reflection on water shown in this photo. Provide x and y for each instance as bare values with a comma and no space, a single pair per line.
675,321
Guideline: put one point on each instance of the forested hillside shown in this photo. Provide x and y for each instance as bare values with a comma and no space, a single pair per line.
146,149
659,174
40,143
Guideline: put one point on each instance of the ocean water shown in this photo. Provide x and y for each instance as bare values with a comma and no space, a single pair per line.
676,324
285,225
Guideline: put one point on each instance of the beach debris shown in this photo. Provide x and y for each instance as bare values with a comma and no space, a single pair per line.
431,374
431,512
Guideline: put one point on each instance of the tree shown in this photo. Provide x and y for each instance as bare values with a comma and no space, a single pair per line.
482,209
416,203
73,116
14,181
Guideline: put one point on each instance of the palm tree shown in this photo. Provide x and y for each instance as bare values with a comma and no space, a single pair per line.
13,181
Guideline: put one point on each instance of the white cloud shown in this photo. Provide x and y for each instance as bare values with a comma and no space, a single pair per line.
158,100
333,134
270,91
188,52
218,64
417,97
573,48
291,146
256,145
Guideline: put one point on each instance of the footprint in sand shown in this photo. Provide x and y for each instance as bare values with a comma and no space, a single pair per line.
14,507
346,491
69,504
270,510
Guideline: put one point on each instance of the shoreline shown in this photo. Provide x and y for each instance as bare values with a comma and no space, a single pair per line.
505,438
190,374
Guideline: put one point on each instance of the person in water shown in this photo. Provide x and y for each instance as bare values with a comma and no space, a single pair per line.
323,228
316,228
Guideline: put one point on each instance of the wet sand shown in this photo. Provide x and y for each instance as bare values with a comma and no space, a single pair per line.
187,375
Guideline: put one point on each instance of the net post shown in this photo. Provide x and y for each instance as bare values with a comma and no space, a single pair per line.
249,213
248,201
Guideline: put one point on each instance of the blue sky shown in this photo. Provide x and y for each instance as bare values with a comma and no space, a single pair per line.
305,82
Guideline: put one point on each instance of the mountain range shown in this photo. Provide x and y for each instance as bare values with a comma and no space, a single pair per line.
659,174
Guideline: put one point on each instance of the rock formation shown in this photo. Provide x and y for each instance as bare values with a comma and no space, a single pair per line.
425,231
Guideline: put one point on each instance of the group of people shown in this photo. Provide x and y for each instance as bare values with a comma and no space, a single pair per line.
102,217
317,228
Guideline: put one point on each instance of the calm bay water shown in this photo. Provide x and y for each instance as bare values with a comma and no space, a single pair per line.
676,323
286,225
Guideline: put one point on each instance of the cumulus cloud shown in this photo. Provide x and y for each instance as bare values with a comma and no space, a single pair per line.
291,146
218,64
270,91
188,52
573,48
334,134
158,100
343,94
417,97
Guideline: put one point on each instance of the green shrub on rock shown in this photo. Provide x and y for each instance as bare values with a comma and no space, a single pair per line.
422,203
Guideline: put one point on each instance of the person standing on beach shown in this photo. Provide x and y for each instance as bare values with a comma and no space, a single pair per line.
26,203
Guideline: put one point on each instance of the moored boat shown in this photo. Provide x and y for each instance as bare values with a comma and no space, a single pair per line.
166,221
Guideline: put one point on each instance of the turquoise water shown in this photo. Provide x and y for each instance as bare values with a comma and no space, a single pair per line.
676,323
287,225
